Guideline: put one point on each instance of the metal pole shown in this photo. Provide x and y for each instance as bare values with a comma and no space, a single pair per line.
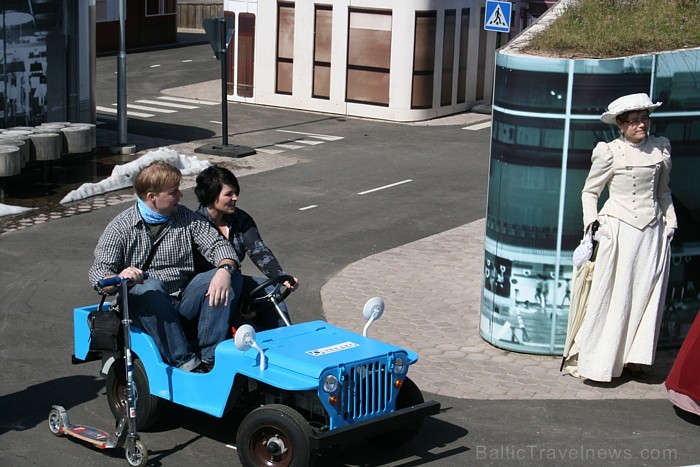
121,76
224,99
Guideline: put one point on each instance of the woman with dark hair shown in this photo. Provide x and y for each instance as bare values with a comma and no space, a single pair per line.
217,191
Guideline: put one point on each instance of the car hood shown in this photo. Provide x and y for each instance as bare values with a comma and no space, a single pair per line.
309,348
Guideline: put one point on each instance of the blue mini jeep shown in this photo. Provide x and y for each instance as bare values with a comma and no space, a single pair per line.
302,387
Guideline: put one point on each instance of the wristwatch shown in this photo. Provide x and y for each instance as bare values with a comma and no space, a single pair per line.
229,268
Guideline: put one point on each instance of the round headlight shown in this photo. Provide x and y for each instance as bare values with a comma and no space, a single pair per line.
399,365
330,383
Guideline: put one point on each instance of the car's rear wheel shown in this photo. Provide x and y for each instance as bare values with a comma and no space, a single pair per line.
148,407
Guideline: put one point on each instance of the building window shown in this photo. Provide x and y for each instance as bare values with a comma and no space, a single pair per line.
161,7
285,47
230,56
323,35
481,64
369,56
106,11
423,60
463,49
448,57
246,52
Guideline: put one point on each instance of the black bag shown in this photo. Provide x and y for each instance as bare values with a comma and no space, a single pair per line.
105,329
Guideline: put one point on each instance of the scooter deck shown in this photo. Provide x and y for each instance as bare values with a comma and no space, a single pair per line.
99,438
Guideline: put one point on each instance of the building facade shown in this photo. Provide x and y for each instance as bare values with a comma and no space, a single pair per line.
47,56
403,61
147,23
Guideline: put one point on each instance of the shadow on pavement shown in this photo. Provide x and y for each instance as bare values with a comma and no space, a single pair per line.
30,407
420,450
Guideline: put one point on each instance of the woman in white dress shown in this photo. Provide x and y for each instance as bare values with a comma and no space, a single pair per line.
625,306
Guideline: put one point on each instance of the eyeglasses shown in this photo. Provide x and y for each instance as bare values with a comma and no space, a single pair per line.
637,121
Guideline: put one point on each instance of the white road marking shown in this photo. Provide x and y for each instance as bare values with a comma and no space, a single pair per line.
315,135
214,121
155,66
105,109
268,151
478,126
189,101
384,187
308,207
186,61
168,104
308,141
288,146
150,109
114,111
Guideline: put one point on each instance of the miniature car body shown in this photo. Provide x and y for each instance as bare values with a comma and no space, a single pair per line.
317,384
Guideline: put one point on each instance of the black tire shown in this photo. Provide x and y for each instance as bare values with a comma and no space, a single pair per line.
139,457
408,396
148,407
56,423
275,436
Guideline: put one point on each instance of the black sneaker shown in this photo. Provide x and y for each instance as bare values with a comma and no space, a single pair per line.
203,367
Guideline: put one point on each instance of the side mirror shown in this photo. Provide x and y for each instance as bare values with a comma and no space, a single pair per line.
372,311
245,339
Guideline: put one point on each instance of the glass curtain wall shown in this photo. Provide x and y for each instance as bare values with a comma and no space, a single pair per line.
545,125
47,61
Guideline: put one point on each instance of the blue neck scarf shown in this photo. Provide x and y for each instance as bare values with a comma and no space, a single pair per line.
148,215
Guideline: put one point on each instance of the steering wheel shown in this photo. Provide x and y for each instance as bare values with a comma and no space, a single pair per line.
277,293
275,296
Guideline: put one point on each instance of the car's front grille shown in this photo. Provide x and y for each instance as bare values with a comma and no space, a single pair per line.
366,391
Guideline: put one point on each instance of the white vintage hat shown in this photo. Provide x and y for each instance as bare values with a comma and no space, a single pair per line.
628,103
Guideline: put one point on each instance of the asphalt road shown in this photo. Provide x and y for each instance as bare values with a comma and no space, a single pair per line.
44,268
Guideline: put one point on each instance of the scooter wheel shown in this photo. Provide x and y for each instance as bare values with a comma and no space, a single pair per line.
139,456
56,423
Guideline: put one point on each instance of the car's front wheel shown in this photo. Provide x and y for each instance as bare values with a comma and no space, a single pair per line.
275,436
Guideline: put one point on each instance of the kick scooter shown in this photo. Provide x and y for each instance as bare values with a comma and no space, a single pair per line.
126,434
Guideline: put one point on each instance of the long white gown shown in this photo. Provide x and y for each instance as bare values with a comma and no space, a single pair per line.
628,290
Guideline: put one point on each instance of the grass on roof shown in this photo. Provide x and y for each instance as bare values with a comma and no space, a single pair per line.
616,28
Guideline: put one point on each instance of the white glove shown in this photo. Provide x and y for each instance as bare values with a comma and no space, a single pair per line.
601,232
669,231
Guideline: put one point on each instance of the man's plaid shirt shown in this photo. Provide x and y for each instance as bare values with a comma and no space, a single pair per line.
127,241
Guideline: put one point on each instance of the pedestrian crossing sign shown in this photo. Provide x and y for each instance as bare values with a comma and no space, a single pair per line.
497,17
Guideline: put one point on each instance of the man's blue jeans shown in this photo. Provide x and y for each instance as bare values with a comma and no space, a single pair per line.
160,315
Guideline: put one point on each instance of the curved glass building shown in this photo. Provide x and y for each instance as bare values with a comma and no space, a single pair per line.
47,55
545,124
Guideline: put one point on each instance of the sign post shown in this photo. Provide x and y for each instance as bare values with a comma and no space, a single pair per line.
497,17
219,32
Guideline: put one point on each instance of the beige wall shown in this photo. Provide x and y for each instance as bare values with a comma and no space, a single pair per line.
401,61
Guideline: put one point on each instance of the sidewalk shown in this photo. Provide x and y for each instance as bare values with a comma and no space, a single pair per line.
432,291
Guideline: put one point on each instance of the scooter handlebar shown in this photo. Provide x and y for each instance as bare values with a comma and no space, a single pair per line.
116,280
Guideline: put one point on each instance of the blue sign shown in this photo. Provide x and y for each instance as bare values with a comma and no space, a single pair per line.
497,17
